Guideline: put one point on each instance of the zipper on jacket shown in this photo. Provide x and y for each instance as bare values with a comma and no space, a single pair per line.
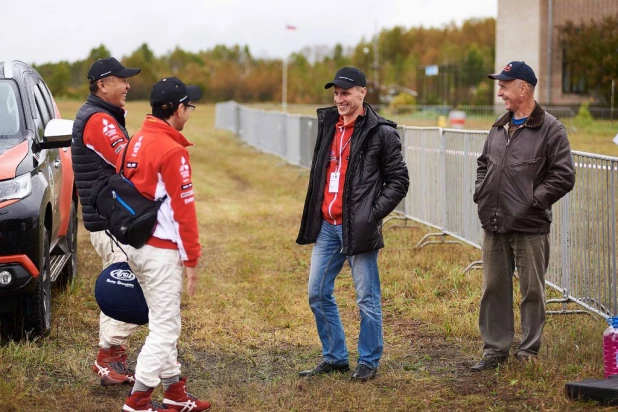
527,162
361,162
506,150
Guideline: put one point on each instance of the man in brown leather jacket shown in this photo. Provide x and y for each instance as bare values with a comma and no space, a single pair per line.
526,166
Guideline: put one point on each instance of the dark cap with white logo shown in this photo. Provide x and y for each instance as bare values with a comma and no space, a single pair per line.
348,77
109,66
171,92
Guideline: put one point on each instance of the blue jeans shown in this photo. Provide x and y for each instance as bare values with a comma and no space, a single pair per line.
326,263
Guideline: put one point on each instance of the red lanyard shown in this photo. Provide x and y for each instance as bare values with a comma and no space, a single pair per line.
344,146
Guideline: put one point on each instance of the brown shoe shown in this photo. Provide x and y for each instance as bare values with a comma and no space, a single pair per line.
523,357
111,366
489,362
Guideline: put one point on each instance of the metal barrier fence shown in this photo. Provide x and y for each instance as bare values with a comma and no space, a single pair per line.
424,157
583,259
442,167
462,148
476,117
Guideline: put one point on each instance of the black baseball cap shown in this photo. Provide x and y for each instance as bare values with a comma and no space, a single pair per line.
516,70
348,77
172,92
109,66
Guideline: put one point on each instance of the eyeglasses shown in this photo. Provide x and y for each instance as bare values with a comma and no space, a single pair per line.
190,106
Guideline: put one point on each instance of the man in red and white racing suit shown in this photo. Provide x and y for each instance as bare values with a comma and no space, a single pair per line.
157,163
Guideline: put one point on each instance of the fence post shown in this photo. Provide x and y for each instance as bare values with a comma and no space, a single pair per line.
466,190
236,119
443,179
565,244
613,233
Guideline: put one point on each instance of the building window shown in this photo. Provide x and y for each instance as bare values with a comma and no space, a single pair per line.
572,81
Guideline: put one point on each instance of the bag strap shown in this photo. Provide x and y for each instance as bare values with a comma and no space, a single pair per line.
108,233
124,156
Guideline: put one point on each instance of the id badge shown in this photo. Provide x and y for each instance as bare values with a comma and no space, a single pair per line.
333,187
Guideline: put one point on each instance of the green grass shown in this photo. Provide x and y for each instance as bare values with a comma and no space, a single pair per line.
249,329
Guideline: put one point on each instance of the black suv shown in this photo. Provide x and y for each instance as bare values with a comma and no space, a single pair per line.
38,202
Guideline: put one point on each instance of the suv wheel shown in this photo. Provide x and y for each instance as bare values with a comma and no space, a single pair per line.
32,317
69,271
38,305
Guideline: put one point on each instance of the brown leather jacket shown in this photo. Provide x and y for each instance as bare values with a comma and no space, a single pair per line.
519,179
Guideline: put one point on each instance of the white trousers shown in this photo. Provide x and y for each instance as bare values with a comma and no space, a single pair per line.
111,332
159,272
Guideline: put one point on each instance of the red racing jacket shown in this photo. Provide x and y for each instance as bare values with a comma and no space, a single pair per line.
157,163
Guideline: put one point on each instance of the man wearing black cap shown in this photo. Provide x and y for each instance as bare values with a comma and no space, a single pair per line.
99,135
157,163
358,176
525,167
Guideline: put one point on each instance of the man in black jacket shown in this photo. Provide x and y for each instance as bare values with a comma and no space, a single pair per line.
99,135
358,176
526,166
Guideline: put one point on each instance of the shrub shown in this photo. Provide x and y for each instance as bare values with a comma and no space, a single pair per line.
402,99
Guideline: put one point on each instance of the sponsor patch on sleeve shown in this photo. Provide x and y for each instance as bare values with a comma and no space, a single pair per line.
116,142
131,165
184,170
188,186
109,129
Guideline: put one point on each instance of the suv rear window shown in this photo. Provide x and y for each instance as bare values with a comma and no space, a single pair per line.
10,117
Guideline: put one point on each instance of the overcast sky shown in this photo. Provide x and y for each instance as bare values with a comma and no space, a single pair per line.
41,31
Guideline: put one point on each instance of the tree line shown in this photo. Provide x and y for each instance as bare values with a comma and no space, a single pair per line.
233,72
463,54
590,52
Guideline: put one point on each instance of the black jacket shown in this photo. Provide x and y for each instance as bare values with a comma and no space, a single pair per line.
88,166
519,179
376,180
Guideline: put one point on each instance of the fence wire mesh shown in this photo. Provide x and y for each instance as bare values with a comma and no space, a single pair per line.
442,167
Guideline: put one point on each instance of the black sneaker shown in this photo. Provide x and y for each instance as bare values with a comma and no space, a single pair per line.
487,363
325,367
364,373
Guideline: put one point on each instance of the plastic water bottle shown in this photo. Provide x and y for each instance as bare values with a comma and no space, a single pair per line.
610,348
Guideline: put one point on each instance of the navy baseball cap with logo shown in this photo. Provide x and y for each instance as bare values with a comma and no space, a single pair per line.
120,296
171,92
516,70
109,66
348,77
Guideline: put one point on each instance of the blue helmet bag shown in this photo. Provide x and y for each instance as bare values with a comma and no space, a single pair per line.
120,296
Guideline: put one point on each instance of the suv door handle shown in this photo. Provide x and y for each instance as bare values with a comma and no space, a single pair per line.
57,163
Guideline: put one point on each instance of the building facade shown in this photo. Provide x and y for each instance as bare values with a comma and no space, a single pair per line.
528,30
